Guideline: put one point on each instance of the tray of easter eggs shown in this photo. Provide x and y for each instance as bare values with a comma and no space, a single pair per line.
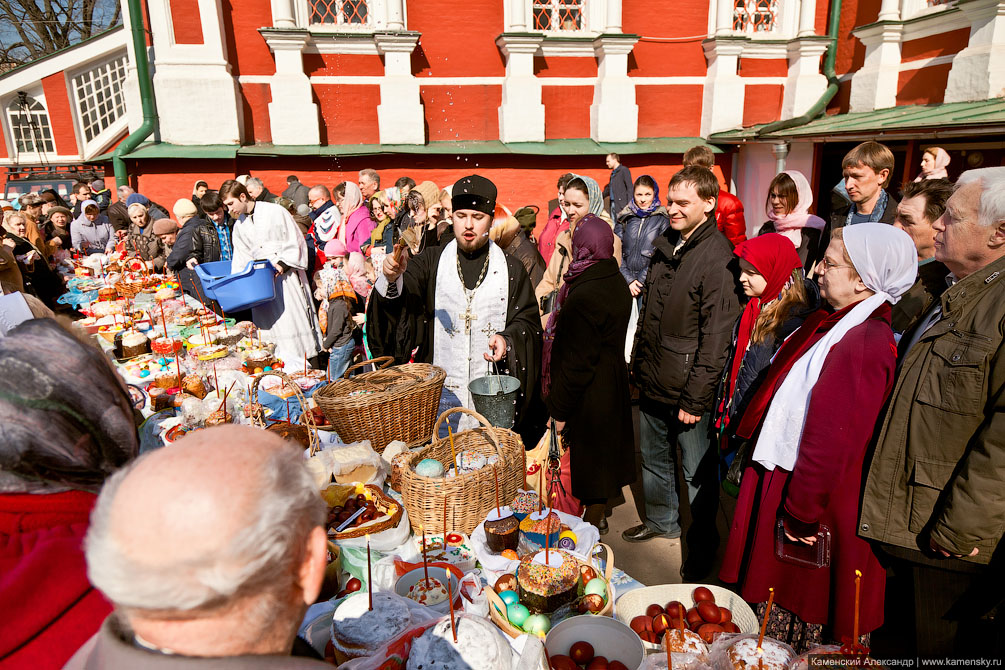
515,616
344,500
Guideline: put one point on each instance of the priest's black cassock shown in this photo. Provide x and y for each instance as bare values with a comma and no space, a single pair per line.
404,327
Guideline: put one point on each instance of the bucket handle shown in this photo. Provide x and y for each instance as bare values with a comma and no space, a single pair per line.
495,366
485,423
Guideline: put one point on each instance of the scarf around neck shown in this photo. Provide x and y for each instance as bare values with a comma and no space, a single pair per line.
877,211
790,225
653,206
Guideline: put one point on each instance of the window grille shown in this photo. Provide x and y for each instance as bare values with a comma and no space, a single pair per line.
755,16
354,13
100,101
29,126
559,15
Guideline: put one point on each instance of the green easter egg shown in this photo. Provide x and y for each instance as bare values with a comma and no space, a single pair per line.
596,585
517,614
509,597
537,624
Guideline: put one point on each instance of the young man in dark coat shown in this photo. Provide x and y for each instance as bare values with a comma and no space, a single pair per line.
197,243
691,301
619,189
867,170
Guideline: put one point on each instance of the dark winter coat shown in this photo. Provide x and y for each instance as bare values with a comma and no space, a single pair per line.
929,286
809,249
149,247
298,193
691,300
589,382
637,235
620,188
839,216
196,240
118,215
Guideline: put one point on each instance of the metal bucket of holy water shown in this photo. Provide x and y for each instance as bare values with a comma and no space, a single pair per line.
494,397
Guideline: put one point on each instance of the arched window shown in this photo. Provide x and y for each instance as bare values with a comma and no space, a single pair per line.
559,15
755,16
29,125
346,13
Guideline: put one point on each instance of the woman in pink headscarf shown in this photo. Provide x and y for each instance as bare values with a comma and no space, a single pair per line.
788,210
357,226
933,164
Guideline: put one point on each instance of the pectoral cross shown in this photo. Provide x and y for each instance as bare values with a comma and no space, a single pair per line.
468,317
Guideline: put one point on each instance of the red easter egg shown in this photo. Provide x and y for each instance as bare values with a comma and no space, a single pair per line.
598,663
693,617
708,631
641,623
562,662
709,611
581,652
616,665
675,609
701,593
725,616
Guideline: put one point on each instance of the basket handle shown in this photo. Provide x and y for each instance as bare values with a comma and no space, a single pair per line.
609,569
496,602
485,422
383,361
314,442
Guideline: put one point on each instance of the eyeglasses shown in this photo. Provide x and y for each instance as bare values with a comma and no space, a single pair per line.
827,265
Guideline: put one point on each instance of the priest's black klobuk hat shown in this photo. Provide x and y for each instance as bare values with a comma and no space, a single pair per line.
474,192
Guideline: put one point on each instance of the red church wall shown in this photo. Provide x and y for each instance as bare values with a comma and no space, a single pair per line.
762,103
461,112
566,111
246,48
851,51
57,102
669,111
355,65
3,145
942,44
923,86
186,22
564,66
255,99
457,43
348,113
660,21
763,67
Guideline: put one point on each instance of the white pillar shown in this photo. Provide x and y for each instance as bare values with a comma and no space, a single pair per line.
724,17
614,116
613,16
400,118
517,15
521,115
293,114
395,15
874,86
804,83
723,94
283,14
807,18
889,10
196,95
978,71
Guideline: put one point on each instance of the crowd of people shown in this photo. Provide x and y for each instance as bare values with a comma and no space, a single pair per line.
835,387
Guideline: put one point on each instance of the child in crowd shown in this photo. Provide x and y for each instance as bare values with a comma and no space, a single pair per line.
338,302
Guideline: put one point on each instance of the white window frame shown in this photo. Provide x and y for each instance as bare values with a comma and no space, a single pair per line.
14,153
117,125
584,18
786,22
376,18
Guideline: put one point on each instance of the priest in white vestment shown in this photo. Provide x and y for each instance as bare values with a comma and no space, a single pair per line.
265,231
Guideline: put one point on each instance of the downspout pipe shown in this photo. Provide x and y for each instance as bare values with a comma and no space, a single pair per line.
820,105
149,124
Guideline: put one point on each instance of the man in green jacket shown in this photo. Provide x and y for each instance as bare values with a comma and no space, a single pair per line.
934,495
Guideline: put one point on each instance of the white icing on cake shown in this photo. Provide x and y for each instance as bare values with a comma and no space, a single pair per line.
480,646
554,559
429,594
499,513
773,654
356,629
538,516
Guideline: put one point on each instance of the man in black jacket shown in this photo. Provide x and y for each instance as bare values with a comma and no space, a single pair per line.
691,301
867,170
197,243
620,189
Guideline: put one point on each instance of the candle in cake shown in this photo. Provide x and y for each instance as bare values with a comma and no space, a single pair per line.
224,317
858,591
369,574
453,458
425,564
216,381
450,597
495,472
177,366
764,622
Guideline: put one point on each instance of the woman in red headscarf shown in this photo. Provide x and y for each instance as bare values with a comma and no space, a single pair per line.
771,274
585,379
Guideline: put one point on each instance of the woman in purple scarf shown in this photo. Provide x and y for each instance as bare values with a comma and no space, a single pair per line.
585,379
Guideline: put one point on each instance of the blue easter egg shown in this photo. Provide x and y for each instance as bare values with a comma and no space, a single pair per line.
509,597
267,368
429,467
144,373
517,614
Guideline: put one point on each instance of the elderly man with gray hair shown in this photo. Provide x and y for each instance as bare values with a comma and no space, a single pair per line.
259,191
933,496
369,182
210,551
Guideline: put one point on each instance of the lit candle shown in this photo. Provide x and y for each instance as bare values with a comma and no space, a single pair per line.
369,574
495,472
764,622
450,597
453,458
858,590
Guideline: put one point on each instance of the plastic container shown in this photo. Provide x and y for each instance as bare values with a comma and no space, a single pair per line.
253,286
610,638
412,577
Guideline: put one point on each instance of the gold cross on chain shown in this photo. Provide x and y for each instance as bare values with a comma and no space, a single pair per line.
468,316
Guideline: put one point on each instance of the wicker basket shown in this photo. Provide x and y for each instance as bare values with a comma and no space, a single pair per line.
636,601
130,289
466,498
400,403
313,443
338,493
497,608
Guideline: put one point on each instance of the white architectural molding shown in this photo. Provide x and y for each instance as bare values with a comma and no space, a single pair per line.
978,71
400,117
614,116
874,86
293,114
723,95
805,83
573,45
807,18
194,81
521,114
762,49
889,10
946,20
376,80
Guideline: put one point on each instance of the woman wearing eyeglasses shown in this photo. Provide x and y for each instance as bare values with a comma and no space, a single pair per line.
788,210
810,421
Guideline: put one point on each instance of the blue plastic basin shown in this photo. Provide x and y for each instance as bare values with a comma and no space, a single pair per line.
253,286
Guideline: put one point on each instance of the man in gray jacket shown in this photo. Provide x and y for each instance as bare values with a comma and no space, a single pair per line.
211,552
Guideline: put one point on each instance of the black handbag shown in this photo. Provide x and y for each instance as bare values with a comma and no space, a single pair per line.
549,302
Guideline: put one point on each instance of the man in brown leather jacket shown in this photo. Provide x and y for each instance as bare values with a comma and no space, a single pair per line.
934,495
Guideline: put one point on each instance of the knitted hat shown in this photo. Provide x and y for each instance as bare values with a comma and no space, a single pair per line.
60,210
165,226
184,207
335,248
98,185
430,193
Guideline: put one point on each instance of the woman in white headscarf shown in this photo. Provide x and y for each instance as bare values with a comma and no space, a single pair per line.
810,422
788,209
934,162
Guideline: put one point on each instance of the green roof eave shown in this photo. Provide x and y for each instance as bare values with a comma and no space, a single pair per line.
906,122
563,147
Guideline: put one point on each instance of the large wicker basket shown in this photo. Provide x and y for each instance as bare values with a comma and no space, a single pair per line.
130,289
306,434
468,497
392,403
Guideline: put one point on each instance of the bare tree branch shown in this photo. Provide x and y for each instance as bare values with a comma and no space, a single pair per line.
30,29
